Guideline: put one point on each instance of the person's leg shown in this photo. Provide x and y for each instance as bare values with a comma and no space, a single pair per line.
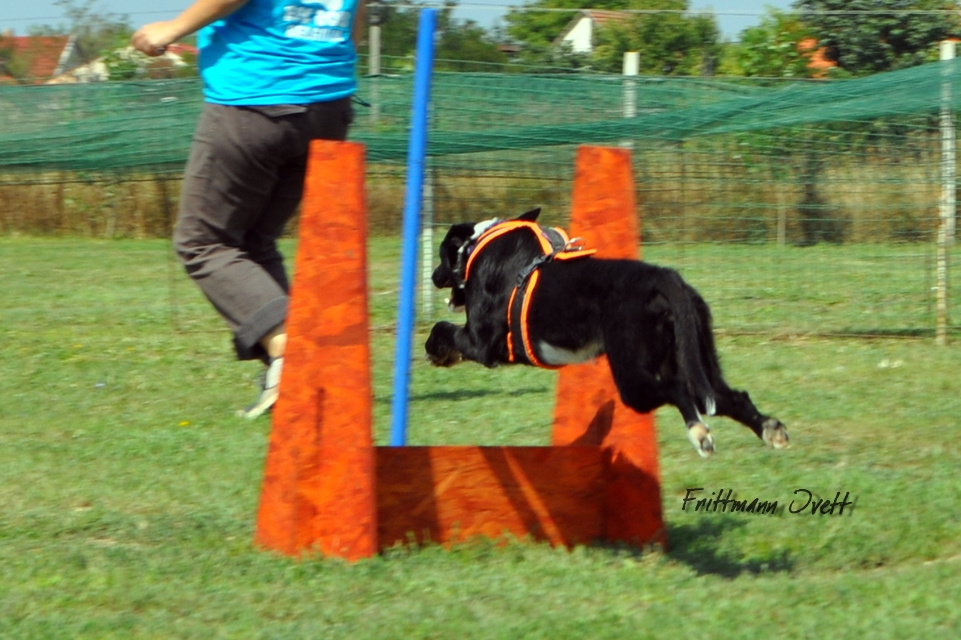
231,175
320,121
275,342
243,183
326,121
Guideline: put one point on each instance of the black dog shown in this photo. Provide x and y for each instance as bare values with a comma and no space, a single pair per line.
654,328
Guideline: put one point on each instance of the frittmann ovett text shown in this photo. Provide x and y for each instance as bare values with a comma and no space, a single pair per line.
725,501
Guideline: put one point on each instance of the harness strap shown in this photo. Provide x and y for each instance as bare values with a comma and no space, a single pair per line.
551,239
519,345
555,245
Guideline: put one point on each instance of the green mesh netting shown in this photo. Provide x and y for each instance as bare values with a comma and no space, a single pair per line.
147,125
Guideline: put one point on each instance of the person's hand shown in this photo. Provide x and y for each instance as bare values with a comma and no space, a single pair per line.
152,39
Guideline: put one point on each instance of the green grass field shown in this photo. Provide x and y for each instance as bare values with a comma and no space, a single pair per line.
128,489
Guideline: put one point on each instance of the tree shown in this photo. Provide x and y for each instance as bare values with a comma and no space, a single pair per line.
10,64
669,43
466,47
456,43
869,36
398,36
537,29
97,32
461,45
776,48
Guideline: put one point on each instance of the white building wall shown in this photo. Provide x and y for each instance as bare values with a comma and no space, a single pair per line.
580,37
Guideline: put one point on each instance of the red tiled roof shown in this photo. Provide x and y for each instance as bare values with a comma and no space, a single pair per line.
597,18
41,53
603,17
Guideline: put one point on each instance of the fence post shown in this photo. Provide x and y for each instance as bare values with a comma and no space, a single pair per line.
948,149
427,245
375,18
948,202
631,66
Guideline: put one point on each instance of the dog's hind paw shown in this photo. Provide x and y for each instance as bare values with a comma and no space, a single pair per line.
774,434
700,436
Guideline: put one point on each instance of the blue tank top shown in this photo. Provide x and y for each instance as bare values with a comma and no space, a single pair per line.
272,52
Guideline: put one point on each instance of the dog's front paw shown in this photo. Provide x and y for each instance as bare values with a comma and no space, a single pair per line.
440,348
774,434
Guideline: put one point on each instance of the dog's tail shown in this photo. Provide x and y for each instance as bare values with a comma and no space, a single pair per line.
688,327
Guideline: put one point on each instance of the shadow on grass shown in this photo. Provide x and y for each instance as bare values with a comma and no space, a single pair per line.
701,547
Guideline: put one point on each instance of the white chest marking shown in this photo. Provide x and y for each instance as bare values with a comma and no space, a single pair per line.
556,356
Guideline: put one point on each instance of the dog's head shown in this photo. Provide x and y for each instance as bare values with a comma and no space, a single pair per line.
456,248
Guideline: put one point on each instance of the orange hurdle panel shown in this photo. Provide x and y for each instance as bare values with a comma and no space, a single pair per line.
588,409
328,489
318,490
452,494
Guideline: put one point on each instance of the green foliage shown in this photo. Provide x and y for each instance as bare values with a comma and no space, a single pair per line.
876,41
398,36
551,58
125,65
538,29
459,46
773,49
97,31
6,50
669,44
11,64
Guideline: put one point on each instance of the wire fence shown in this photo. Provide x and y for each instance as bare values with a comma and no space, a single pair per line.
825,194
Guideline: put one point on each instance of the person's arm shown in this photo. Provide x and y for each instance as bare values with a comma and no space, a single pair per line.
153,38
360,23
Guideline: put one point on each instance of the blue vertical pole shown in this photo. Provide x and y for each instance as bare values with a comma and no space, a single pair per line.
411,228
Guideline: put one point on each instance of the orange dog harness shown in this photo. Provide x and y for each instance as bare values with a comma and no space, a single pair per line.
555,245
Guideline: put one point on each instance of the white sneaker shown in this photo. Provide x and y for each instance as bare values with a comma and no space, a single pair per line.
269,392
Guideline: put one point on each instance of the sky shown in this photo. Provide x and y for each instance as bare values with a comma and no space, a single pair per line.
732,15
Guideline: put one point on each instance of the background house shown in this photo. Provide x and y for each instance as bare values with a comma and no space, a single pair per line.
36,59
582,29
58,60
126,63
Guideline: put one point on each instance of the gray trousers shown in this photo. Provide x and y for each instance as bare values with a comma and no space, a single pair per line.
243,182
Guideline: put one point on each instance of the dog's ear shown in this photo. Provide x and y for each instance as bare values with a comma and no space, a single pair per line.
458,235
451,258
530,216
